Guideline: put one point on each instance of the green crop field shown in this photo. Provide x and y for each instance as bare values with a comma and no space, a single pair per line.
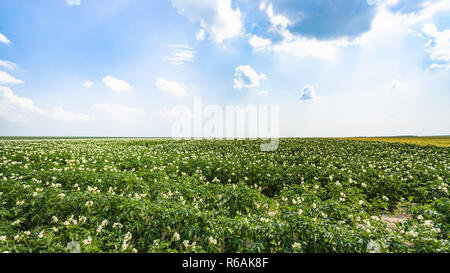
161,195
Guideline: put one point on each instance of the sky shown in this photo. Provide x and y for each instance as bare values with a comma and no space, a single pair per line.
118,68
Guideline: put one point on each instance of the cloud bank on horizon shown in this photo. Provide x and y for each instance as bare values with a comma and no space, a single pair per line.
336,67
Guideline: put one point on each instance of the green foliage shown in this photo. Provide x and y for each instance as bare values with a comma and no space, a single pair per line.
160,195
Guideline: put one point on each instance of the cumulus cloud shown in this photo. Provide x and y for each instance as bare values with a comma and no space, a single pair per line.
321,19
294,43
88,84
246,77
3,39
259,43
200,36
303,47
262,5
308,93
440,66
263,92
413,11
73,2
297,40
180,54
116,85
120,113
8,65
217,18
7,78
428,10
403,6
173,88
59,113
14,108
438,47
277,20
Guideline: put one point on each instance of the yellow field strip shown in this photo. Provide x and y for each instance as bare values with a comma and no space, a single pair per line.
437,141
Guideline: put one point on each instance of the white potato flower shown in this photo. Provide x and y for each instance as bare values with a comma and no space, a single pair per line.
87,241
176,236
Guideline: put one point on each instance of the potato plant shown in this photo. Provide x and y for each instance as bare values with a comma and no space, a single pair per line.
161,195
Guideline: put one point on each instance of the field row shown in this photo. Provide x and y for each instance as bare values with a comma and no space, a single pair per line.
311,195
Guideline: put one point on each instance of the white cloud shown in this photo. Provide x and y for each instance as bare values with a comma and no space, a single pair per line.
246,77
14,108
180,54
386,22
3,39
259,43
262,5
295,44
73,2
58,113
263,92
430,30
440,66
24,104
88,84
200,36
6,78
430,9
277,20
438,47
309,93
303,47
120,113
173,88
8,65
116,85
217,18
382,2
385,26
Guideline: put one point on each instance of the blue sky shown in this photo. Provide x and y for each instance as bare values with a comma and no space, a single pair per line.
117,68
